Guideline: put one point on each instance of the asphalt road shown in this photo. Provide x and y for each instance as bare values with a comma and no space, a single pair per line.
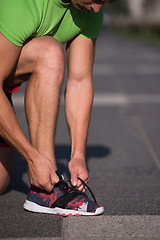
123,153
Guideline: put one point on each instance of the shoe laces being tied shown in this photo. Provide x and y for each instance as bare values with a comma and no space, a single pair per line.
71,189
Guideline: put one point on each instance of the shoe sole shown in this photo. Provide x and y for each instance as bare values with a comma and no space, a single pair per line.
33,207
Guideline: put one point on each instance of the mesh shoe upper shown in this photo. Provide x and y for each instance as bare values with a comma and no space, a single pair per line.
42,197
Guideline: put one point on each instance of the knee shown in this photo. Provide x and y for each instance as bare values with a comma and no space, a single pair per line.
4,178
4,183
6,164
51,60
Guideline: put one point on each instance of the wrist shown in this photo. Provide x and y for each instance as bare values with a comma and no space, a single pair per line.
78,156
31,155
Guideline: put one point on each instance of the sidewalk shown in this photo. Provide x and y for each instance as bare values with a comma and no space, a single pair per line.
123,153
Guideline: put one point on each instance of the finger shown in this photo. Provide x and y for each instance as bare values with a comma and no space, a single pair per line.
87,180
80,183
53,178
74,179
84,177
82,188
48,187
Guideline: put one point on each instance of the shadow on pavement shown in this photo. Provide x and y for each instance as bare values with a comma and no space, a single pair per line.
19,181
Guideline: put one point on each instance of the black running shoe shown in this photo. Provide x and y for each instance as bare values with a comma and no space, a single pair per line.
63,200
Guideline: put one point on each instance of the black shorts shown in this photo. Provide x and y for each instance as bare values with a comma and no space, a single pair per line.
3,143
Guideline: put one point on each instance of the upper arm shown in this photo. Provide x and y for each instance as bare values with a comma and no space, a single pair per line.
80,57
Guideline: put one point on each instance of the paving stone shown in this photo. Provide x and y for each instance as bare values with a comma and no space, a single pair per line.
113,227
30,225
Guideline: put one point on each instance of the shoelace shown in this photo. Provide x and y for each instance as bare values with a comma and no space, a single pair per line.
88,189
66,187
71,189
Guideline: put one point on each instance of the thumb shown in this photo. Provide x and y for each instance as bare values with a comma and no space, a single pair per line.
74,179
54,178
48,187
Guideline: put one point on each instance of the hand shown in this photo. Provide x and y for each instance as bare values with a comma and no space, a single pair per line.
77,168
41,173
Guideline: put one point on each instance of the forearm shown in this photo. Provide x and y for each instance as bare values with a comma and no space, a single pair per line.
79,98
11,131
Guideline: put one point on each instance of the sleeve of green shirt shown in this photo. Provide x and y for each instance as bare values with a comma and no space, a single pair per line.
94,25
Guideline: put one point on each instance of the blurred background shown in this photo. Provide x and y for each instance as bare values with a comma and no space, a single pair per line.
137,18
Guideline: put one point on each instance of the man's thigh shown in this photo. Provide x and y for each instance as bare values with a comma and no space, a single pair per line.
24,67
34,53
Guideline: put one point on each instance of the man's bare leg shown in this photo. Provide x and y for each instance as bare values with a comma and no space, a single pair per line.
43,93
44,58
8,57
40,168
6,165
6,160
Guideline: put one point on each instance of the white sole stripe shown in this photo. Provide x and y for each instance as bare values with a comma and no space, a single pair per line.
33,207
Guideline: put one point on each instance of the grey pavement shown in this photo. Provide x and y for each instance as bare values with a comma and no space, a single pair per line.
123,153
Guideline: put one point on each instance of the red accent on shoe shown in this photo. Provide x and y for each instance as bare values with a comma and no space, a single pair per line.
70,214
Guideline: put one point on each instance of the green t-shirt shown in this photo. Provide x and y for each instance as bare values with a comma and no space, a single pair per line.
21,19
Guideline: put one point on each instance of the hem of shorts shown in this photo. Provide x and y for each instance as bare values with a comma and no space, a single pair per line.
14,88
4,145
9,36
